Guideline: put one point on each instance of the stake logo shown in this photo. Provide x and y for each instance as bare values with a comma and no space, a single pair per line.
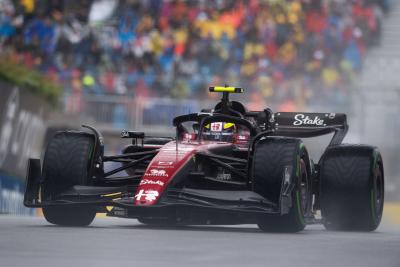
301,119
147,181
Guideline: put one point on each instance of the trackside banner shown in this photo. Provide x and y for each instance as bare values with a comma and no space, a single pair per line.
22,130
12,196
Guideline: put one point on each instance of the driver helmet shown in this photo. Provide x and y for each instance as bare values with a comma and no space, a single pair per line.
219,131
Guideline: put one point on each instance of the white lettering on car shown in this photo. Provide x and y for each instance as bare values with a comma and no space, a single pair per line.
301,119
165,163
224,176
147,181
156,172
149,195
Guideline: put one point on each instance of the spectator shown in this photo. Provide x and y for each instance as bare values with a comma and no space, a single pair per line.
287,52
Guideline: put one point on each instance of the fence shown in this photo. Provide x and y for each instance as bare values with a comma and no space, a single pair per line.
153,115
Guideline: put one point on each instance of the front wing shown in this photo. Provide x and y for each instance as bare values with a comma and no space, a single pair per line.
191,205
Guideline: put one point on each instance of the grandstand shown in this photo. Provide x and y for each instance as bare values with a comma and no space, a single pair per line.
119,60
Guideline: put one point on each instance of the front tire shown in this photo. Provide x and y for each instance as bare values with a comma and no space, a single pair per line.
66,164
352,188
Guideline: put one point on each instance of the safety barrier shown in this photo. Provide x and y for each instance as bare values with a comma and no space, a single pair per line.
22,130
12,196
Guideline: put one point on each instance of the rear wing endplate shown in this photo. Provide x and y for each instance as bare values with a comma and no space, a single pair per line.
303,124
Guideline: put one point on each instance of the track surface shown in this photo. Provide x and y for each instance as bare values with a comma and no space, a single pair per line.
30,241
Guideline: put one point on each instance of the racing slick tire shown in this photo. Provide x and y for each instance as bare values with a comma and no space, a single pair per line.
271,157
65,164
352,188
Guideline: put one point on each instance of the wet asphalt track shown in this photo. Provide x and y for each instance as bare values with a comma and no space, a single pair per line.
28,242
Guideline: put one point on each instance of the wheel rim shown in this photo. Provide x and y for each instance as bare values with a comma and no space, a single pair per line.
303,186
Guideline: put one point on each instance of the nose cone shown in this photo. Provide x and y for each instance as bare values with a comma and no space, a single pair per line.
151,186
161,170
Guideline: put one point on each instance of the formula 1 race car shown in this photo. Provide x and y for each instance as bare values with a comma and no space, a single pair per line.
226,165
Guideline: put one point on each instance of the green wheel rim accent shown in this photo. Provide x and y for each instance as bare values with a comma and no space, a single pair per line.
373,193
91,151
298,197
373,205
301,217
375,158
298,167
298,161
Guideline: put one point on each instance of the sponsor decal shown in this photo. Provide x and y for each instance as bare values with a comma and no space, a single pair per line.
6,133
301,119
242,137
156,172
21,134
189,137
216,127
224,176
181,148
165,163
149,195
147,181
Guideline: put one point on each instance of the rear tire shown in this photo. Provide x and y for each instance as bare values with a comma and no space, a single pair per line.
271,157
352,188
65,164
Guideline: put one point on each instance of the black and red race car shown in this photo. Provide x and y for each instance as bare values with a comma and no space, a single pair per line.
226,165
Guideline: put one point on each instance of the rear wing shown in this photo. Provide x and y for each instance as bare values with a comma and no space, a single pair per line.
302,124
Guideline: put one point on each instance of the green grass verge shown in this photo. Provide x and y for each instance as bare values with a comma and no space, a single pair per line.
29,79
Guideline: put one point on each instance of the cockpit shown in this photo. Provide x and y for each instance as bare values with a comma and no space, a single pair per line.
225,123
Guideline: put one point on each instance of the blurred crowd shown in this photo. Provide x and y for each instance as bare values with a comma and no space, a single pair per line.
289,53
